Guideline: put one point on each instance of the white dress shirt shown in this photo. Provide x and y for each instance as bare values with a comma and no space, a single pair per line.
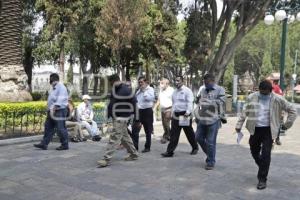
145,98
182,99
165,97
263,117
58,96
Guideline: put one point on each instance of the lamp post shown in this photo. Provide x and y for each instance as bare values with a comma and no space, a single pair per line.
286,11
294,76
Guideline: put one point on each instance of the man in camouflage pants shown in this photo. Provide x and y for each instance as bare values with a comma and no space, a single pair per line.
120,109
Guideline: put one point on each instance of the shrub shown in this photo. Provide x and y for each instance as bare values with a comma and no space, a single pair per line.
36,96
288,98
30,115
75,97
23,107
297,99
35,106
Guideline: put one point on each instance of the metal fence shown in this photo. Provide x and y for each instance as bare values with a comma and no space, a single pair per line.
22,124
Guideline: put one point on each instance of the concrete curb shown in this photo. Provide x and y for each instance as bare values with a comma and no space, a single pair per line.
21,140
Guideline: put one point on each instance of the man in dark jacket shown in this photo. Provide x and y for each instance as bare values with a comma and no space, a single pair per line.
121,107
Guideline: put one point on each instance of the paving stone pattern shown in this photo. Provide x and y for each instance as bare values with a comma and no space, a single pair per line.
27,173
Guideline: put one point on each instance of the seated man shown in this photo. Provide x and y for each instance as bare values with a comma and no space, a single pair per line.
73,123
86,115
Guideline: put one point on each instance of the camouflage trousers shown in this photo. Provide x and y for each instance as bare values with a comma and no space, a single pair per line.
119,135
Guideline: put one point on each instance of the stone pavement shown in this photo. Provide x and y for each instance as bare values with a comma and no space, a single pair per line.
31,174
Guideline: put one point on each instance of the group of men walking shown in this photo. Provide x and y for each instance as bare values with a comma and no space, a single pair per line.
262,111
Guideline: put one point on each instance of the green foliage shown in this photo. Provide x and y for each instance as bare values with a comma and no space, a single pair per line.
23,107
29,17
296,98
35,106
161,46
75,97
47,50
228,77
259,52
99,105
198,38
36,96
29,115
61,18
120,22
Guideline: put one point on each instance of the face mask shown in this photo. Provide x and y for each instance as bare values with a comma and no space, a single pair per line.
209,86
264,96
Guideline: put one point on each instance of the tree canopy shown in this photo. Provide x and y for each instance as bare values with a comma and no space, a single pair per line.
132,36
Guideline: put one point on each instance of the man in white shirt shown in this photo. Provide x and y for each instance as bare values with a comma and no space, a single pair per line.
182,108
145,101
165,102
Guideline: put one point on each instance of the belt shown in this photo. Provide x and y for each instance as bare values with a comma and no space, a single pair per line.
121,119
166,108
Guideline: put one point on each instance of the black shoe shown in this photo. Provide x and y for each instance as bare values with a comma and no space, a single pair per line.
209,167
163,141
96,138
75,140
194,152
277,141
261,185
167,154
145,150
40,146
60,148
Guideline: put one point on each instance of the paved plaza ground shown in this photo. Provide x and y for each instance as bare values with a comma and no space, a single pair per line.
31,174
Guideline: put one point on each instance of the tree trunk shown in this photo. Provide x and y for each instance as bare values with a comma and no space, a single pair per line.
96,70
70,74
83,65
96,83
13,79
28,65
62,63
127,72
222,58
147,71
246,22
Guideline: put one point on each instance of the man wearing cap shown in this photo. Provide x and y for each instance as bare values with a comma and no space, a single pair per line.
56,115
86,115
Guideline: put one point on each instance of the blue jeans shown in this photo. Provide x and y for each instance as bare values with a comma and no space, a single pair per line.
57,121
206,136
